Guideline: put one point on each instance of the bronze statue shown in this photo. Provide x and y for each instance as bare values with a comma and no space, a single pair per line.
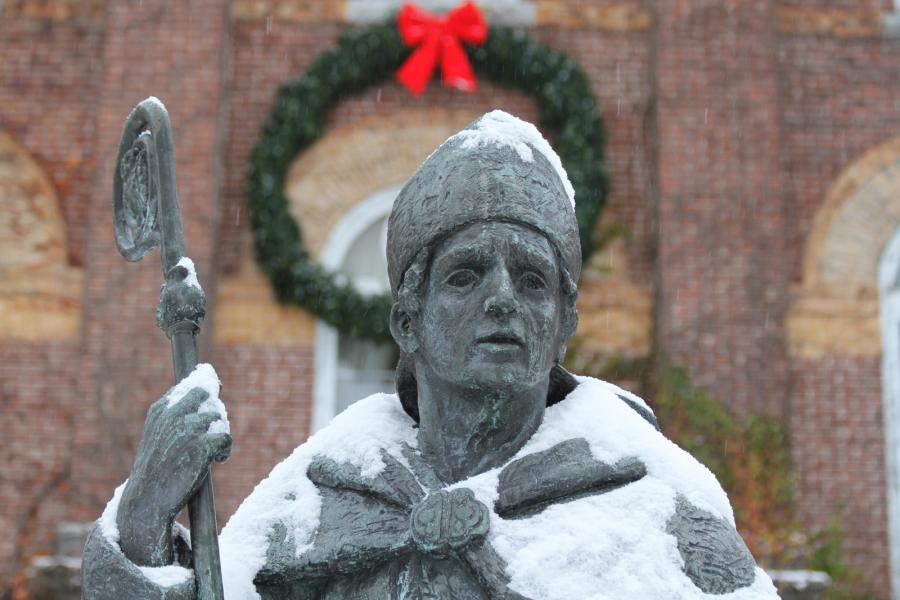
493,473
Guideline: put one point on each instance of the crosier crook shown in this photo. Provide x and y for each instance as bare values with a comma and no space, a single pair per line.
146,214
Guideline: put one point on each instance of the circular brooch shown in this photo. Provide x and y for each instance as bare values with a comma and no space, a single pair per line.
447,521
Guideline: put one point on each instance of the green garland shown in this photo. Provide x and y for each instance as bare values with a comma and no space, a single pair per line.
370,56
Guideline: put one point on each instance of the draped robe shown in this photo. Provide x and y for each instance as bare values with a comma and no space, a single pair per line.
597,504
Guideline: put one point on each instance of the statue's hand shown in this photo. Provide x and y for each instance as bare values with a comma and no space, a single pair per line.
176,450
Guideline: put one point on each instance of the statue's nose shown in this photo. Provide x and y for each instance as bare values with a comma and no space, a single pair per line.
502,297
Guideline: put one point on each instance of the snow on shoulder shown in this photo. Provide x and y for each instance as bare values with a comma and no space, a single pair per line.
605,546
502,129
287,497
610,545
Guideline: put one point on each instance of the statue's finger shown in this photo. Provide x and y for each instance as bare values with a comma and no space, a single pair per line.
190,403
201,421
219,445
153,413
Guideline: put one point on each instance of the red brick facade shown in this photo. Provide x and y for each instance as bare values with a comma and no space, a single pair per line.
727,124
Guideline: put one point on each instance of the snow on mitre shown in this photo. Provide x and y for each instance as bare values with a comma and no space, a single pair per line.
503,129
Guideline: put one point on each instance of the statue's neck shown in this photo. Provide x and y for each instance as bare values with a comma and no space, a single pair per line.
463,432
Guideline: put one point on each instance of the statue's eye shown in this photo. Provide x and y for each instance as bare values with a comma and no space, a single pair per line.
462,278
533,281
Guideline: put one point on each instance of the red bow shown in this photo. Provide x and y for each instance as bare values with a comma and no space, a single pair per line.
438,38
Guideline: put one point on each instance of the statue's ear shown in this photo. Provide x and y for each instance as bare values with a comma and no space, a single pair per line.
402,329
568,324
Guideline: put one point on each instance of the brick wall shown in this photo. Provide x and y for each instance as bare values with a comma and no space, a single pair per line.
268,393
721,207
727,123
839,96
837,433
46,92
69,74
761,107
38,414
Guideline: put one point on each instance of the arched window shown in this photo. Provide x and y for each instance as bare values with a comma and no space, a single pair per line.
889,305
40,292
348,369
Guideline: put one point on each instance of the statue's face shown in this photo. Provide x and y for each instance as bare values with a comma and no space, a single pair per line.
491,315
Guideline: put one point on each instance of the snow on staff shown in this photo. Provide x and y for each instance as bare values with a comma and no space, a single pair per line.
146,215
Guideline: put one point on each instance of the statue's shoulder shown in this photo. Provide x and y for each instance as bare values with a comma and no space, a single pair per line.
618,424
285,510
600,445
360,432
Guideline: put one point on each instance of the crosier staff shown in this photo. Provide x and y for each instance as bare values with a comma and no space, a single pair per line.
146,214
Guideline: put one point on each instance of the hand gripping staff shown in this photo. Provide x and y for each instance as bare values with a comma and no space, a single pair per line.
146,214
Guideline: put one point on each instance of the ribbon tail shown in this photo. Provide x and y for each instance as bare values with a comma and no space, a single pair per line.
416,72
457,72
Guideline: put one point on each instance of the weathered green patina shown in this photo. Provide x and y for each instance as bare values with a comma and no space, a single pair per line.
483,255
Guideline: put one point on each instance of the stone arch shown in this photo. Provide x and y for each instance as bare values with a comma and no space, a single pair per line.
40,299
858,218
835,308
356,161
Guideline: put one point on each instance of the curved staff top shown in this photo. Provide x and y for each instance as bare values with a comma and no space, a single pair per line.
146,214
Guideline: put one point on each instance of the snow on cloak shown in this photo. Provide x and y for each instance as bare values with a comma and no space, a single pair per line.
614,540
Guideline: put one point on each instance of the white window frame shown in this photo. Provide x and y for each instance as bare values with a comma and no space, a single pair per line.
889,309
340,241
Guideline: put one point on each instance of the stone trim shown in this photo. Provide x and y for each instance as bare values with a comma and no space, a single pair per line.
623,17
355,161
615,318
290,11
615,314
822,322
836,22
872,184
53,10
506,12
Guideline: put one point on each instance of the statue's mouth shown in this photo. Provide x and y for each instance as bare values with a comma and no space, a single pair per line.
501,338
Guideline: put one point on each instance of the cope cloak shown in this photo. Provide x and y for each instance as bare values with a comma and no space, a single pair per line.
598,504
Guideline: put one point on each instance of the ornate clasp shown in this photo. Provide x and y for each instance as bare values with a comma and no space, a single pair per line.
448,520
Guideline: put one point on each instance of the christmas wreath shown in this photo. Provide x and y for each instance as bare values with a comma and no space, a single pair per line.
365,57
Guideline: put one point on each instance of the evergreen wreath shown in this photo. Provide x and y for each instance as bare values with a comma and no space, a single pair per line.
365,57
